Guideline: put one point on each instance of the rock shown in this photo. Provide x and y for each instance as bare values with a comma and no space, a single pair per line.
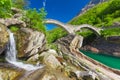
116,54
4,37
49,77
69,42
30,42
91,4
13,21
49,58
115,24
34,58
90,74
49,52
52,61
90,48
33,75
10,72
115,39
104,46
16,10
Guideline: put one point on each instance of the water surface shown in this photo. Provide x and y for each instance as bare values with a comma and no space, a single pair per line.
111,61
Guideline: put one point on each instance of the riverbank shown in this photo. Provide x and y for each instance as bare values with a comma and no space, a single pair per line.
106,46
94,65
107,60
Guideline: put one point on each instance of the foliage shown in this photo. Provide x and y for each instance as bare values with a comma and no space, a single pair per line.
5,8
102,15
14,28
21,4
55,34
34,19
53,46
111,32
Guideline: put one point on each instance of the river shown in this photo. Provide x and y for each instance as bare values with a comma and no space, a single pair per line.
111,61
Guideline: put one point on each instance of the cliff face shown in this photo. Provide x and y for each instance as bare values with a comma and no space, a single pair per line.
91,4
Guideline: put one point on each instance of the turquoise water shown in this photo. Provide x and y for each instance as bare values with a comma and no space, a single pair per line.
111,61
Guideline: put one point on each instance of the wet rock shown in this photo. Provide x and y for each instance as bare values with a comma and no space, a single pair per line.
4,37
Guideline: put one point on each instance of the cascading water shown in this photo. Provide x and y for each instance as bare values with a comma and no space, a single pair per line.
11,55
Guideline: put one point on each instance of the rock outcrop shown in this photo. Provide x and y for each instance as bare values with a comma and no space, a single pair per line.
10,72
91,4
4,37
71,41
111,46
13,21
50,58
30,42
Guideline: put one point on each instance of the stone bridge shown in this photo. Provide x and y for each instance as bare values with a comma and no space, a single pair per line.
71,29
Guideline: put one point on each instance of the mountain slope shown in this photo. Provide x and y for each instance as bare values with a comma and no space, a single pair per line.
91,4
105,15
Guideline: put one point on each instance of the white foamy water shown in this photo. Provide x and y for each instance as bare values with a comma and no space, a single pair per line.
11,55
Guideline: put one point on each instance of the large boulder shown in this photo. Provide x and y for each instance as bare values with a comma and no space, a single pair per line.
30,42
50,59
4,37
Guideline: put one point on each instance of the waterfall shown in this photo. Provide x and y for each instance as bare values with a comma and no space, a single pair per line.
11,55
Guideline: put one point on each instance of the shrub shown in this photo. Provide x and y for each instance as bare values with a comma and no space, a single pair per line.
34,19
5,8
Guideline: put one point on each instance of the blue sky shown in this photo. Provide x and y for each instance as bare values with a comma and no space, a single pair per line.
62,10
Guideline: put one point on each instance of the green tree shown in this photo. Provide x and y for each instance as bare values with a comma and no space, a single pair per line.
21,4
5,8
34,19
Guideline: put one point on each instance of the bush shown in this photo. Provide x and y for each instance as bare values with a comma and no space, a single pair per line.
5,8
21,4
34,19
14,28
111,32
55,34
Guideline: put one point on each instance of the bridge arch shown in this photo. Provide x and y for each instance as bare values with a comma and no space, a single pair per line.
94,29
64,26
71,29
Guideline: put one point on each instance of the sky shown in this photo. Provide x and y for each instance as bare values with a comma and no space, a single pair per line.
62,10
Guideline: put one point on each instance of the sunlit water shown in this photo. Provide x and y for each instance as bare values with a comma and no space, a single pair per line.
11,55
111,61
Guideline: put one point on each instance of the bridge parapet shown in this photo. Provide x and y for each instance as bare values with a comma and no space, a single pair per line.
71,29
